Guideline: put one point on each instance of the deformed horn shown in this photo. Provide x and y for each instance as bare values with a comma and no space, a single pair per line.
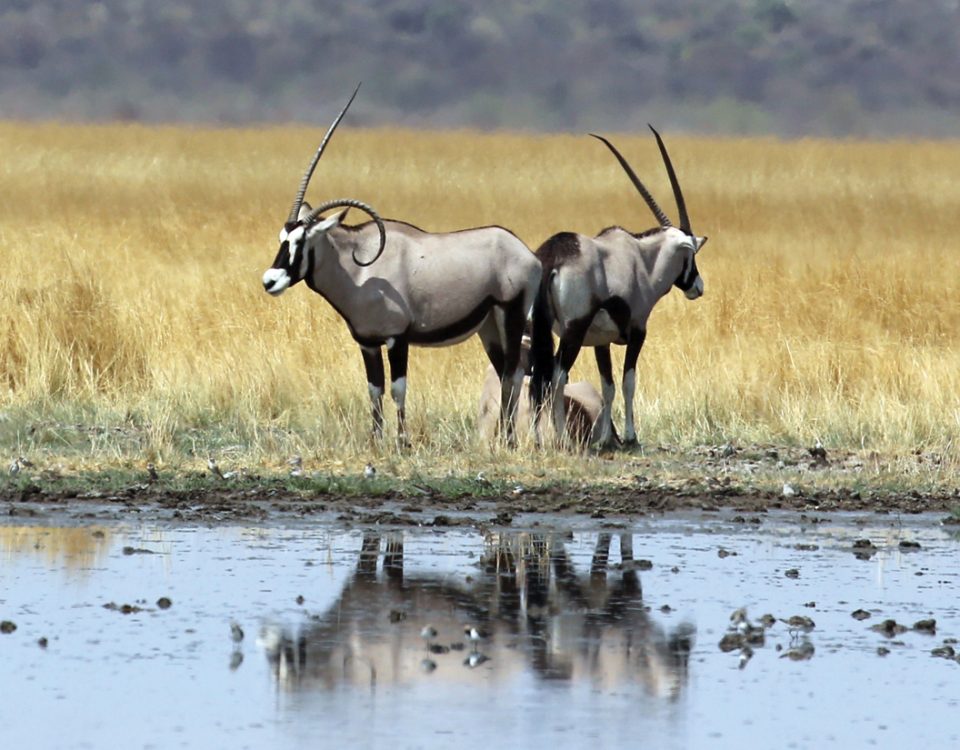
645,194
674,183
298,201
352,203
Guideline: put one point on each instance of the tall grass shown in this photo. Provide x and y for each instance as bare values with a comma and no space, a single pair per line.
131,310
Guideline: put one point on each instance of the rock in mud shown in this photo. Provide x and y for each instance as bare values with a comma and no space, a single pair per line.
164,602
860,614
792,573
7,627
889,628
926,626
944,652
908,546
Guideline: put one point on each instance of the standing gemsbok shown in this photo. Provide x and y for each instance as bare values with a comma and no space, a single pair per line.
598,291
397,285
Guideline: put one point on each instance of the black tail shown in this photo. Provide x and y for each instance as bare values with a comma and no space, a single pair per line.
541,346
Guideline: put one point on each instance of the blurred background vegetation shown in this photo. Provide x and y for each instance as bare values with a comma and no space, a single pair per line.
872,68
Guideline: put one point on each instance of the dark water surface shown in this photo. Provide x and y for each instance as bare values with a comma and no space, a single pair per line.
579,645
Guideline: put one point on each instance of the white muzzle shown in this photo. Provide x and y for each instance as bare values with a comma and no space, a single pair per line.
276,280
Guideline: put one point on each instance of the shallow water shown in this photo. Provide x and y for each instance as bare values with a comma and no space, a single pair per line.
578,648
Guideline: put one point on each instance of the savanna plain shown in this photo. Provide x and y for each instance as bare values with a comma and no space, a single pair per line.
134,328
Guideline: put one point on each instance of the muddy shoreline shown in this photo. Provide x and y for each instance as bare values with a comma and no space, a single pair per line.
270,500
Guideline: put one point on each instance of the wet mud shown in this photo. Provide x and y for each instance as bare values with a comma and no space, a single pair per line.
266,500
751,481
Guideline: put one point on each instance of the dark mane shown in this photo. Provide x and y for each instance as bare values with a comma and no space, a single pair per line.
558,249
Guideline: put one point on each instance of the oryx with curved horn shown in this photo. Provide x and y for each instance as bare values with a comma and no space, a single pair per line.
396,285
598,291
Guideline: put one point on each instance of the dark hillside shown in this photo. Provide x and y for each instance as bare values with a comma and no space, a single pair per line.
840,67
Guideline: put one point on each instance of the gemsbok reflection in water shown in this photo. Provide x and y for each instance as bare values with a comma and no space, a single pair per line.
527,609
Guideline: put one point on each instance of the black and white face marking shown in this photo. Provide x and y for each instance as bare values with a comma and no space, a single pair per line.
690,282
293,258
290,265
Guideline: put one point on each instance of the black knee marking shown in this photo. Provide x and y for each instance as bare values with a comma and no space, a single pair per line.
634,345
514,321
495,355
398,355
373,363
604,365
571,341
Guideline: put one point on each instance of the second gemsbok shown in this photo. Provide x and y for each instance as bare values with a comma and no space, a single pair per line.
396,285
598,291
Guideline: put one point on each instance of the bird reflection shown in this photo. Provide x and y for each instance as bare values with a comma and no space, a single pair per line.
528,608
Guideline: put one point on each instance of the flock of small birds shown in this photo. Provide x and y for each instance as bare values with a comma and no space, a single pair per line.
743,635
473,635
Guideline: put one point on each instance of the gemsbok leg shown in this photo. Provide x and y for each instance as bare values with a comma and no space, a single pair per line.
373,363
634,345
397,355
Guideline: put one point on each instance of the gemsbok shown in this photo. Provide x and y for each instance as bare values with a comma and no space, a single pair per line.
396,285
598,291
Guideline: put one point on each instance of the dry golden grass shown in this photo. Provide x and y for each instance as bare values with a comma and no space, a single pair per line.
130,298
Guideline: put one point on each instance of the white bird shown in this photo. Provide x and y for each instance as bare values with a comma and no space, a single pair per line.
369,471
296,465
788,490
214,469
474,635
15,467
475,660
428,633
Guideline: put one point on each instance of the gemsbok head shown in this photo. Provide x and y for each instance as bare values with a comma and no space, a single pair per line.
396,285
598,291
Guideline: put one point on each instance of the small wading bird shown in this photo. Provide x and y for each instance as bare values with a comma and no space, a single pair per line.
598,291
397,286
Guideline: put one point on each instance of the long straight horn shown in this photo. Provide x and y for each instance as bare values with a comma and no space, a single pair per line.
298,201
660,215
352,203
674,183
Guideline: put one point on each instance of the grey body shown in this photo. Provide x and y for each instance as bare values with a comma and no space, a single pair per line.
425,289
598,291
396,285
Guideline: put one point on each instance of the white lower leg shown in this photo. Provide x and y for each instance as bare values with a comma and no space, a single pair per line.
609,392
398,391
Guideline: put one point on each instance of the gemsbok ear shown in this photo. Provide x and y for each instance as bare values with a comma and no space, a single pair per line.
304,210
701,241
325,225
